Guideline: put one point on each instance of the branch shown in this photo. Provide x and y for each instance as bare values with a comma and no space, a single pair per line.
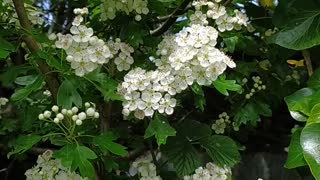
173,17
306,56
51,80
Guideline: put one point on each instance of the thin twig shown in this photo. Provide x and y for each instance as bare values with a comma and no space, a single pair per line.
227,2
173,17
306,56
51,79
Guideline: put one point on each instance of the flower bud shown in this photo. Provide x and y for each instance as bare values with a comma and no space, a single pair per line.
78,122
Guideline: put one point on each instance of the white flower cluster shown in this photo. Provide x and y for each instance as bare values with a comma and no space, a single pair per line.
71,115
47,93
221,123
210,172
257,86
188,57
3,102
218,13
122,54
84,51
145,167
143,93
34,13
109,8
48,168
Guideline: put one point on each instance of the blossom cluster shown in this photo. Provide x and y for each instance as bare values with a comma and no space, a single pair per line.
221,123
122,53
218,12
34,13
48,168
87,52
3,102
210,172
188,57
257,86
47,93
145,167
109,8
84,51
72,115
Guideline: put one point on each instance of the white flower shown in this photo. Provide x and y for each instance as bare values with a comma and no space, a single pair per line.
64,41
90,112
82,116
55,108
225,23
167,104
77,21
3,101
81,33
82,67
81,11
79,122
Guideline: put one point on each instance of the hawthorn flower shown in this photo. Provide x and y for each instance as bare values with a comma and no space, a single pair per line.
82,67
225,23
48,168
64,41
167,104
77,21
81,33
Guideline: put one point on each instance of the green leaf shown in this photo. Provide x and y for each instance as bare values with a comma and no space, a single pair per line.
182,155
295,155
262,108
160,128
77,156
11,74
231,43
68,95
300,20
222,150
106,85
298,103
24,143
246,114
105,143
315,114
5,48
4,54
199,130
314,80
25,80
26,91
199,98
223,86
53,62
310,142
110,164
246,68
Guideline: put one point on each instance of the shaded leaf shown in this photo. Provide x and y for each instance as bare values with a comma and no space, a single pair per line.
222,150
182,155
24,143
22,93
105,143
77,157
68,95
